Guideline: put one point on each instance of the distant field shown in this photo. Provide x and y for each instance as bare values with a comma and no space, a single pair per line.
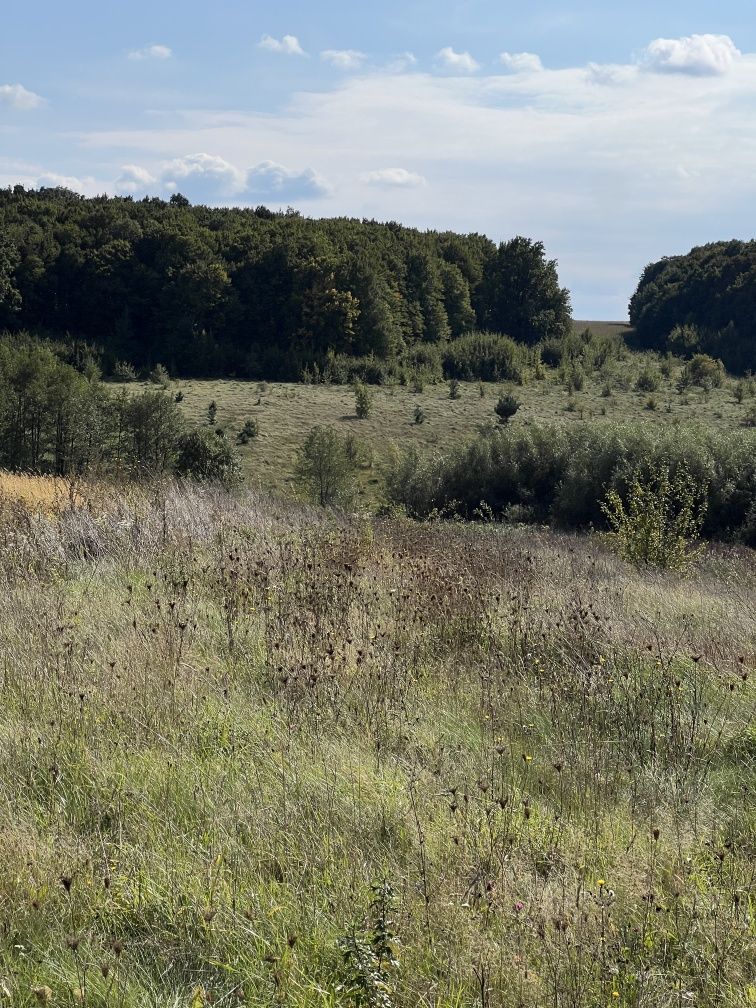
286,411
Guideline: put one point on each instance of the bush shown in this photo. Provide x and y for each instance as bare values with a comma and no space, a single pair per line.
702,370
205,457
649,380
506,407
250,430
564,474
124,372
454,390
159,376
485,356
325,468
656,521
363,401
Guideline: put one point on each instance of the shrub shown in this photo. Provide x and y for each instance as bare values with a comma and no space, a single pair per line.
506,407
484,355
159,376
363,401
419,414
124,372
454,390
657,520
212,410
702,370
324,469
207,458
250,430
649,380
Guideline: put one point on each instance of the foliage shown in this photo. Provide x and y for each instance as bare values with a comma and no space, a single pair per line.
369,955
702,370
255,293
506,407
563,475
325,468
362,401
658,518
702,302
205,457
250,430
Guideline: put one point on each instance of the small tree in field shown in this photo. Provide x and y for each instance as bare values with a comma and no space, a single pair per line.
325,468
506,407
363,401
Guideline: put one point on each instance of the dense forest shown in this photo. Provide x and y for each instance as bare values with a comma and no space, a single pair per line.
702,302
256,294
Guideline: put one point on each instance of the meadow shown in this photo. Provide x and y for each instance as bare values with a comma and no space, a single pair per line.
259,753
285,412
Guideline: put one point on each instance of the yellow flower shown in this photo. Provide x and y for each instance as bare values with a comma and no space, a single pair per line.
601,882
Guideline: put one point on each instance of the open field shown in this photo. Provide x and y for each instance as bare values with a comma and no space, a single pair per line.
223,719
286,411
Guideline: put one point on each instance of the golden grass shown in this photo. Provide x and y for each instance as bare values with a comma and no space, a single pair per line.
40,493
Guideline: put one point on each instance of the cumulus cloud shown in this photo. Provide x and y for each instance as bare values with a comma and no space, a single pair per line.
697,55
17,97
344,59
523,62
288,45
392,178
151,52
462,62
206,178
269,180
134,179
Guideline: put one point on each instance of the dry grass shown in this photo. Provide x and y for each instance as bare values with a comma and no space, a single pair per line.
223,718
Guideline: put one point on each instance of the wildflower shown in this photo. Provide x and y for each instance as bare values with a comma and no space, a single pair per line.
601,883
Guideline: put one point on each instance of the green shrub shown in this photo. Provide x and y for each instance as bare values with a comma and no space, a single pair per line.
506,407
207,458
325,468
657,519
363,401
485,356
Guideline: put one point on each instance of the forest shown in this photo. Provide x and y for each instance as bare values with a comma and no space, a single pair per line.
256,294
702,302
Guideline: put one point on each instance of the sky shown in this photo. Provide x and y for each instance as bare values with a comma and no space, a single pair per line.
615,133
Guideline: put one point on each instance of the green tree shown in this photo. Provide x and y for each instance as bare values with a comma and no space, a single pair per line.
325,469
521,293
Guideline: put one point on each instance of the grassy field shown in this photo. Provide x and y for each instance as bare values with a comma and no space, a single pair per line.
223,720
286,411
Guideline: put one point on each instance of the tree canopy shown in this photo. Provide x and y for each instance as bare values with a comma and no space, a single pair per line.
253,293
702,302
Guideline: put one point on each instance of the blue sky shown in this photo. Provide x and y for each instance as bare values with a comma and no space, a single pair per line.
615,133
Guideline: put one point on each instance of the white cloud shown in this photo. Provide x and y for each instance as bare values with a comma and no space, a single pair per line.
523,62
697,55
288,45
207,178
462,62
269,180
152,52
134,179
344,59
404,61
393,178
17,96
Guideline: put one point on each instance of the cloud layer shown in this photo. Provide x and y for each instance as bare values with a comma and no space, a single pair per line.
392,178
344,59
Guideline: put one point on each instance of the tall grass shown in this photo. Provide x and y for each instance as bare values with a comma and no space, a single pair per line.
224,720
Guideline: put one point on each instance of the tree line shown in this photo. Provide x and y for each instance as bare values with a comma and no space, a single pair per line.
702,302
55,418
256,294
